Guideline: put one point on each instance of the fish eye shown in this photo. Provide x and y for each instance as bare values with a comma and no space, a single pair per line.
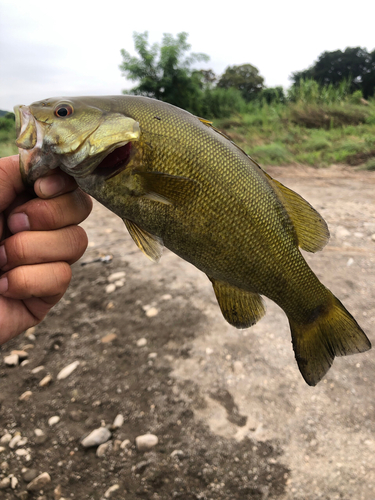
63,110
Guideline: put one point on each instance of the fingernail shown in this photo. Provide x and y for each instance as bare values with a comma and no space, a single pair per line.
18,222
3,256
52,185
3,285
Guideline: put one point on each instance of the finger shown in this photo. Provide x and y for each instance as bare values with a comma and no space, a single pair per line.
36,247
55,184
41,280
10,180
41,215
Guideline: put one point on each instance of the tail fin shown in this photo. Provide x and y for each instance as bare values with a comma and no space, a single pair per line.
333,333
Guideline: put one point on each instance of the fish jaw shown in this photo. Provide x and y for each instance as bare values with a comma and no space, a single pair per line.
41,151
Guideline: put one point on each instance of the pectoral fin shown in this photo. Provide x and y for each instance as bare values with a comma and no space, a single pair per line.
239,307
165,188
311,229
152,246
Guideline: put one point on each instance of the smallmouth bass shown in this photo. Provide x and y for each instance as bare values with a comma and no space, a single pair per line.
178,182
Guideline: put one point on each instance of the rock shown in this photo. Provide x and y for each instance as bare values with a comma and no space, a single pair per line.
4,466
21,354
25,396
111,490
22,441
29,475
350,262
30,331
13,482
68,370
153,355
116,276
177,453
108,338
76,415
57,492
96,437
141,342
40,436
37,369
21,452
110,288
359,235
39,482
118,421
153,311
125,444
12,360
39,432
6,438
45,381
2,449
342,232
167,296
116,445
373,237
28,346
103,448
53,420
119,283
5,483
23,495
15,439
146,442
140,466
25,362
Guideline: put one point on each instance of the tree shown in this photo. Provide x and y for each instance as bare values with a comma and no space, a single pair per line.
245,78
354,64
164,71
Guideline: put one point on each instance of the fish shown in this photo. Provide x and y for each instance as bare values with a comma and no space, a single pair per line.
180,183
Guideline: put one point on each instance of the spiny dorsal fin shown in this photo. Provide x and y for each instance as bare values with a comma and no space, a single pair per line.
311,229
166,188
239,307
152,246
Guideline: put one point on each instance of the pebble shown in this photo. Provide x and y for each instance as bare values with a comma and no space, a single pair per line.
359,235
37,369
177,453
22,441
153,355
25,362
29,475
116,445
2,449
28,346
153,311
373,237
103,448
167,296
125,444
13,482
11,360
57,492
21,452
45,381
118,421
96,437
53,420
6,438
4,483
350,262
21,354
116,276
108,338
68,370
110,490
110,288
4,466
15,439
30,331
141,342
23,495
342,232
39,482
25,396
146,442
39,432
119,283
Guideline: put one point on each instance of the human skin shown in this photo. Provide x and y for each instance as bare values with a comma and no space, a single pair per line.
39,240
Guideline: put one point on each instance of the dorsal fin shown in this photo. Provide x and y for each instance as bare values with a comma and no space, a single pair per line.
152,246
239,307
311,229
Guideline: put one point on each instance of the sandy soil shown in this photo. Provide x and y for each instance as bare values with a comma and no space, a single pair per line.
231,404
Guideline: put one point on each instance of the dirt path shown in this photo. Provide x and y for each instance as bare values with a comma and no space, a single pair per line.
233,416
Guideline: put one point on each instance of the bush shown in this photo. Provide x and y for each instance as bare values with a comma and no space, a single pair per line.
222,103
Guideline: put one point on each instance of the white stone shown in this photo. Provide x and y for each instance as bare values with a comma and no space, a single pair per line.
53,420
110,490
68,370
37,369
119,283
12,360
146,442
153,311
21,452
125,444
102,449
116,276
110,288
141,342
209,351
4,483
39,482
358,235
6,438
177,453
373,237
45,381
167,296
2,449
13,482
15,439
25,362
22,442
350,262
25,396
38,432
96,437
118,421
342,232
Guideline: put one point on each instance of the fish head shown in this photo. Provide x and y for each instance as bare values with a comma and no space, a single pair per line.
78,135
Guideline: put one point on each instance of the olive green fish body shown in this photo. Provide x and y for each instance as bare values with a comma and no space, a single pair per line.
178,182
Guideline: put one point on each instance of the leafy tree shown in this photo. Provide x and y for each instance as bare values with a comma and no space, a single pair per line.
354,64
164,71
245,78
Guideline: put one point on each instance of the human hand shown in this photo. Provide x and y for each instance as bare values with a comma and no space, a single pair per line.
39,240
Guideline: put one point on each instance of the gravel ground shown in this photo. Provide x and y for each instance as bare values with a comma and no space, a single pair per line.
184,405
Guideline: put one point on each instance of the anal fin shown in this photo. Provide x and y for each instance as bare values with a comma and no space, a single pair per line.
240,308
152,246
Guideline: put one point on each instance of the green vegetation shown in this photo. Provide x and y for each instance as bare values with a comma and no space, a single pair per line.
7,135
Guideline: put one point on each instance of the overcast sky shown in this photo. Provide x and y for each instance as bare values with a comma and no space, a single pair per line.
72,47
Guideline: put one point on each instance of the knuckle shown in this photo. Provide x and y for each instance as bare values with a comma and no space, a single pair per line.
19,248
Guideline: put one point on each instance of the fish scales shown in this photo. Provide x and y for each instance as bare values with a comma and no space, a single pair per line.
177,181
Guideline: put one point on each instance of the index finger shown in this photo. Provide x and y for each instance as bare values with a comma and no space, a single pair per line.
11,184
